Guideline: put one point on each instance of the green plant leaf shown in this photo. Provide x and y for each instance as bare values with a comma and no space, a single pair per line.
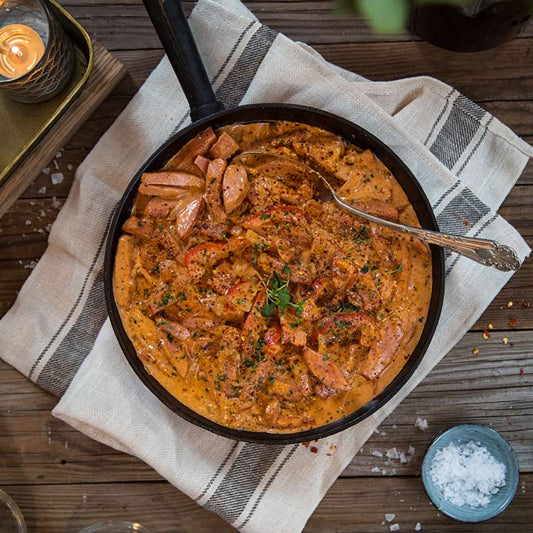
268,310
385,16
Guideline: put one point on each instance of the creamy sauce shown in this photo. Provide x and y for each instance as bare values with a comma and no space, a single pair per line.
255,303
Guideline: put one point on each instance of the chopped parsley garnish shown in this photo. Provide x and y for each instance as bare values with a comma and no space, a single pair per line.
397,269
167,297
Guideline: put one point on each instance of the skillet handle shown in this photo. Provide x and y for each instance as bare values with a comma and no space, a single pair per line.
174,33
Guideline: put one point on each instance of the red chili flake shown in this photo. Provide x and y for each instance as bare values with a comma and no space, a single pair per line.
314,449
466,223
521,372
512,322
511,345
328,454
306,444
458,218
526,305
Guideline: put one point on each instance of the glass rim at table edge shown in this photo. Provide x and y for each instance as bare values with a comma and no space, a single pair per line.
15,510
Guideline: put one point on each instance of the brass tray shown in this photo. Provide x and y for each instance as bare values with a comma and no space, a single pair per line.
24,125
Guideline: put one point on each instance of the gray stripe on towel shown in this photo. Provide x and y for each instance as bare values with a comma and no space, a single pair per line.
217,472
234,87
241,481
84,287
472,210
439,116
457,132
463,166
267,485
61,368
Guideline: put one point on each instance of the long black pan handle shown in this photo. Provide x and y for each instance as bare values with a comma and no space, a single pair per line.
173,30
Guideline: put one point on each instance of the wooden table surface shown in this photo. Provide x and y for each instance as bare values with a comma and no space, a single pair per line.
64,481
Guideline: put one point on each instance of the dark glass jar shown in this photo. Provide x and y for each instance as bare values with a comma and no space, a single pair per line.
478,25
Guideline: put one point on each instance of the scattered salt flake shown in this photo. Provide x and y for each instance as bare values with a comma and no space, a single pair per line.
48,227
42,190
395,527
376,453
56,204
393,453
56,165
394,426
31,265
56,178
383,433
375,469
383,472
418,526
389,517
58,155
403,458
46,170
69,167
42,213
411,451
28,222
421,424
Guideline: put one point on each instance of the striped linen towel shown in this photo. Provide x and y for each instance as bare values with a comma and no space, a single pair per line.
465,159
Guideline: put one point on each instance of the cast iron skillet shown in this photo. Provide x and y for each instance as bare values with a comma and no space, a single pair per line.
173,30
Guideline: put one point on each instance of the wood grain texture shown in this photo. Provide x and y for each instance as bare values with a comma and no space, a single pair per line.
106,73
309,21
354,505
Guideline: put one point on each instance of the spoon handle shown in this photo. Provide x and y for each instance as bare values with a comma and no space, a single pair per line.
483,251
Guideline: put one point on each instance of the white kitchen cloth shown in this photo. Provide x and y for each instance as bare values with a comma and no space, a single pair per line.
57,332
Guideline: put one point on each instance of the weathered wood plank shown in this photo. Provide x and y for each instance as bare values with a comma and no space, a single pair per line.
124,24
462,388
24,229
472,74
354,504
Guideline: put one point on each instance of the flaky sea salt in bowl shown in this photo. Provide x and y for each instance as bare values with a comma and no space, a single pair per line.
470,473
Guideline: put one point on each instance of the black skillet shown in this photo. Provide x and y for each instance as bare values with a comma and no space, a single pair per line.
173,30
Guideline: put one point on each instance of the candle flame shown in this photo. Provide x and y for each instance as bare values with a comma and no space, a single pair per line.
16,50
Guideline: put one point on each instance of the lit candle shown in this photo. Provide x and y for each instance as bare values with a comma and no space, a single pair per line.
21,48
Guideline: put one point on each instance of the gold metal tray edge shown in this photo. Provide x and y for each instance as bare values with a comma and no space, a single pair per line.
67,101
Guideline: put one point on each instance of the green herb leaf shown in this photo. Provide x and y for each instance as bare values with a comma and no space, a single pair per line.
268,309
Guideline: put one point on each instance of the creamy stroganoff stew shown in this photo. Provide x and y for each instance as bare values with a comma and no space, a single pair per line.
255,303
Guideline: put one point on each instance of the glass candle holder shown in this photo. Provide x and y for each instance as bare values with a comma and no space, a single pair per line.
36,55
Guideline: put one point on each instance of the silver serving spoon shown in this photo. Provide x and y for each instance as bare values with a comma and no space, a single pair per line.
483,251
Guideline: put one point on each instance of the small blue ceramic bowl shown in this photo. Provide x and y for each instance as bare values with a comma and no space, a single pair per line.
498,447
